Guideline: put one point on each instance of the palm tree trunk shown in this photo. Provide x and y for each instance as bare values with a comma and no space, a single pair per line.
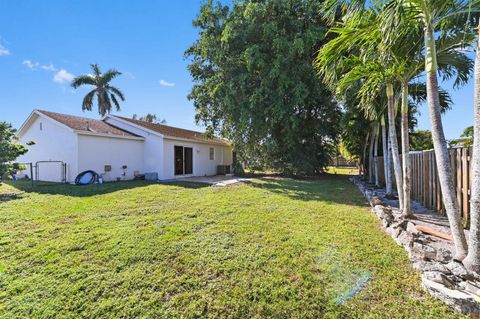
364,166
377,168
390,162
407,203
440,147
386,160
370,157
393,140
472,261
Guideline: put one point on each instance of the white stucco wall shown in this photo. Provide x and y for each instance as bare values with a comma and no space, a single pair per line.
94,152
152,146
53,142
202,165
159,158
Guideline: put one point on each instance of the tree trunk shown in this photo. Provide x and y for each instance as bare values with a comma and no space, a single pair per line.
377,168
386,160
390,161
365,155
472,261
370,157
407,203
394,143
441,150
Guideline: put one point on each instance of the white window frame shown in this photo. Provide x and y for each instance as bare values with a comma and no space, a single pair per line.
211,155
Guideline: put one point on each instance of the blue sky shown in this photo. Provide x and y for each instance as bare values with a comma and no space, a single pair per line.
44,43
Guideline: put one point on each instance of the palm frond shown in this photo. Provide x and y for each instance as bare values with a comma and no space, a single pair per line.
82,80
418,93
114,99
452,58
88,100
333,8
455,65
106,106
116,91
109,75
96,70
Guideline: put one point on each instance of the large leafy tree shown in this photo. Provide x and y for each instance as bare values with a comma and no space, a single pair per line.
255,83
421,140
105,93
9,149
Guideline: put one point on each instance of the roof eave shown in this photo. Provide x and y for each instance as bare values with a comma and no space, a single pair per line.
138,138
210,142
140,127
40,114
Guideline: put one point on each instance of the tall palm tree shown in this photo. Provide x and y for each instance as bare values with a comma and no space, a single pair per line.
375,155
371,162
356,55
103,91
428,14
387,171
397,166
434,16
472,261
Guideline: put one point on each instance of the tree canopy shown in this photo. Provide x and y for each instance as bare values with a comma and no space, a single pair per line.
466,138
150,118
256,85
421,140
9,149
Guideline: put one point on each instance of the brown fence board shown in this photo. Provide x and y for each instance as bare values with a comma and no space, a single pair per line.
425,184
465,185
458,170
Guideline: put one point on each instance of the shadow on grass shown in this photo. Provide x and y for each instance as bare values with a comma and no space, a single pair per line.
5,197
87,190
327,187
186,184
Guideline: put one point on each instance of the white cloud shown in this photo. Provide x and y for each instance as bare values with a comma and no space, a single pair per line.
35,65
165,83
63,76
31,65
50,67
4,51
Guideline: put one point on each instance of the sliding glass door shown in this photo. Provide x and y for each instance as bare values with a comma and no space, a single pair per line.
183,159
188,160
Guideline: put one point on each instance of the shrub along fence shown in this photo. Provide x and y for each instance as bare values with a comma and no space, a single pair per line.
425,186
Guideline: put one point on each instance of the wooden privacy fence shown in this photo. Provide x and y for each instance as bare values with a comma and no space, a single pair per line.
340,161
425,186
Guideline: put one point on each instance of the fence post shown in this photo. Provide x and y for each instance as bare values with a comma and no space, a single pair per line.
31,173
465,176
458,171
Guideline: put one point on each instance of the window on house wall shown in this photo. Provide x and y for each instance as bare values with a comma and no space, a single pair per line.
41,126
212,153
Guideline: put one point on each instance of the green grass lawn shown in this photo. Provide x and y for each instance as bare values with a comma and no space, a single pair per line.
271,248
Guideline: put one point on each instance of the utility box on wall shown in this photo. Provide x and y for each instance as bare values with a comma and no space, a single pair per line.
151,176
223,169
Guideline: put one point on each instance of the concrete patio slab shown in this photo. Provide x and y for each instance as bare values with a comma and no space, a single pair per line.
219,180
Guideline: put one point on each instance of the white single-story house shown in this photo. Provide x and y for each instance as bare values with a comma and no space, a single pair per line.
117,148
